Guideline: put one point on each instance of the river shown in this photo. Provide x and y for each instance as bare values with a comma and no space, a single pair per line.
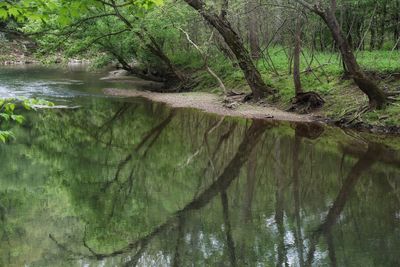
125,182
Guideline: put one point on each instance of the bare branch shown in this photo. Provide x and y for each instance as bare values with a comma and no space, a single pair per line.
205,59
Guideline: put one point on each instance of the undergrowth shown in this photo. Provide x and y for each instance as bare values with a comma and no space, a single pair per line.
321,72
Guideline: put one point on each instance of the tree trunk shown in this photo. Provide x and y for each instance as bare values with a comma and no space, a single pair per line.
156,50
153,46
382,25
377,98
219,39
134,70
232,39
396,32
253,20
224,48
296,56
373,34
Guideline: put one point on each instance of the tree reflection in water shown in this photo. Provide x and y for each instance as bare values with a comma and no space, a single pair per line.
141,184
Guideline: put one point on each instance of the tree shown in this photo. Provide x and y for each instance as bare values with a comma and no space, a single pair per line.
9,116
103,23
253,77
296,55
376,96
253,25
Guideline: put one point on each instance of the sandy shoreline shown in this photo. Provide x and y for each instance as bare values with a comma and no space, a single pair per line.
212,103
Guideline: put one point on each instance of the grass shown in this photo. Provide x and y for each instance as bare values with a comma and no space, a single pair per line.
342,96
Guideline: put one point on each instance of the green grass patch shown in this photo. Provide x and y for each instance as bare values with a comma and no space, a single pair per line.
321,72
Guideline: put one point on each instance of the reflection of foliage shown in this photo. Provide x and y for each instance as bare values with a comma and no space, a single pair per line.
137,182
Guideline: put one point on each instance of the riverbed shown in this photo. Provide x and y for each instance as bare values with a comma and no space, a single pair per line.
127,181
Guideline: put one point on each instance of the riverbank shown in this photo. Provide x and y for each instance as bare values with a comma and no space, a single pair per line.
233,106
20,52
345,105
212,103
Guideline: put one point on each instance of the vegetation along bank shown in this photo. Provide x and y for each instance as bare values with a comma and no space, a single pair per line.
338,60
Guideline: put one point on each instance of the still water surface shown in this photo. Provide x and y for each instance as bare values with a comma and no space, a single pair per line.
131,182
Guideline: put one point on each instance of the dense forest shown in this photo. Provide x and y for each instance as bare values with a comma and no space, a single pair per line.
298,54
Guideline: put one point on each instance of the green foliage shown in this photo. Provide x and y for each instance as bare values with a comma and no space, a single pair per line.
8,116
92,29
36,10
34,103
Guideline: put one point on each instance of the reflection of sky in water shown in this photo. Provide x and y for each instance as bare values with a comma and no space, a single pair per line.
48,83
56,89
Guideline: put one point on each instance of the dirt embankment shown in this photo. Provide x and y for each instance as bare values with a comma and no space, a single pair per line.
213,104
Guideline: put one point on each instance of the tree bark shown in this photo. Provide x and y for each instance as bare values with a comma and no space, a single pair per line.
232,39
296,60
376,96
220,40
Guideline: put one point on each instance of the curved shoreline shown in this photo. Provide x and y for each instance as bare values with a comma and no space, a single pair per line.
212,103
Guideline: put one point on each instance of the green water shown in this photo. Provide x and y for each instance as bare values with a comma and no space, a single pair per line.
130,182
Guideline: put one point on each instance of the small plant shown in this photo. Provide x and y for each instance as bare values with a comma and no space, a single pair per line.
8,115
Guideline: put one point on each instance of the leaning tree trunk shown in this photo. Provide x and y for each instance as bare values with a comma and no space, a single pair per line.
220,40
232,39
377,98
156,50
153,46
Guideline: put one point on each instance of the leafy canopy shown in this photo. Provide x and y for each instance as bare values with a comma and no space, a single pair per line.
67,10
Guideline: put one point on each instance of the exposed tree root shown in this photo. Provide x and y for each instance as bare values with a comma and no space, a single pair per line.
306,102
232,99
248,97
175,85
234,93
357,115
353,117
